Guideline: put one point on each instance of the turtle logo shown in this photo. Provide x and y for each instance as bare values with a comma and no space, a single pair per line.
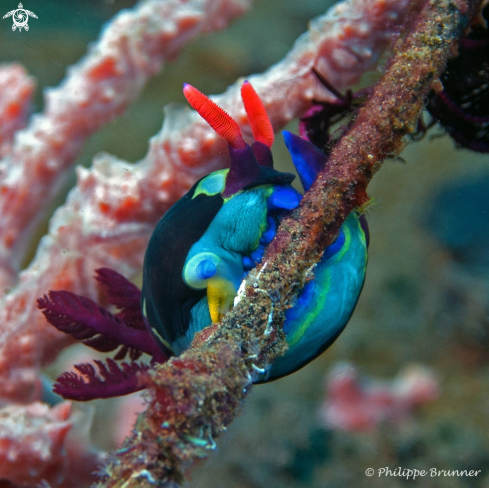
20,16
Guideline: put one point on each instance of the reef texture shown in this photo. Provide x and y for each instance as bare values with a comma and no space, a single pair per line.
357,404
16,89
35,445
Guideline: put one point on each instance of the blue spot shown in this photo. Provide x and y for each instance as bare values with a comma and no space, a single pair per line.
284,197
257,254
248,263
269,234
333,248
205,269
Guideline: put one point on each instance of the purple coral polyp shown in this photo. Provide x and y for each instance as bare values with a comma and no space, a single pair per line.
98,328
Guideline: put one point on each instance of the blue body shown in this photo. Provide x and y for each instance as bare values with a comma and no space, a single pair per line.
238,230
326,303
205,245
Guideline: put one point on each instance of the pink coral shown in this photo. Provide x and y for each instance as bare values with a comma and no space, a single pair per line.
16,89
34,446
355,404
131,49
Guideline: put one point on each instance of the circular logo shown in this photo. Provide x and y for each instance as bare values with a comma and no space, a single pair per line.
20,17
369,471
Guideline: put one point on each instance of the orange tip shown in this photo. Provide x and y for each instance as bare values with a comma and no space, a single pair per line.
257,115
216,117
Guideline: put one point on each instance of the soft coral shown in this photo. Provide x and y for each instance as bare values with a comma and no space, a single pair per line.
96,327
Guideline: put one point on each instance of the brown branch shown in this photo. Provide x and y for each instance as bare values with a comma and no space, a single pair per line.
196,395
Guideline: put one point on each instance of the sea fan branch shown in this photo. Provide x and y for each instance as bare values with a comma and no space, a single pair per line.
124,295
116,380
93,325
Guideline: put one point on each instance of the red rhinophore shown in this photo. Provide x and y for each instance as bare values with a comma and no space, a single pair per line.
216,117
260,123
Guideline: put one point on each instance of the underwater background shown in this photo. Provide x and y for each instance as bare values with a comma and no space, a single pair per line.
425,302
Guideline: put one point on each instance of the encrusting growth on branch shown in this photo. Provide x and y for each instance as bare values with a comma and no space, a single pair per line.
193,397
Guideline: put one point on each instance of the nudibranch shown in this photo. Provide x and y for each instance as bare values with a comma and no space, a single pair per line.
204,246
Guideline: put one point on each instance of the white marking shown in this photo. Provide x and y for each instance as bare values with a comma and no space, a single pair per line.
256,368
20,17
